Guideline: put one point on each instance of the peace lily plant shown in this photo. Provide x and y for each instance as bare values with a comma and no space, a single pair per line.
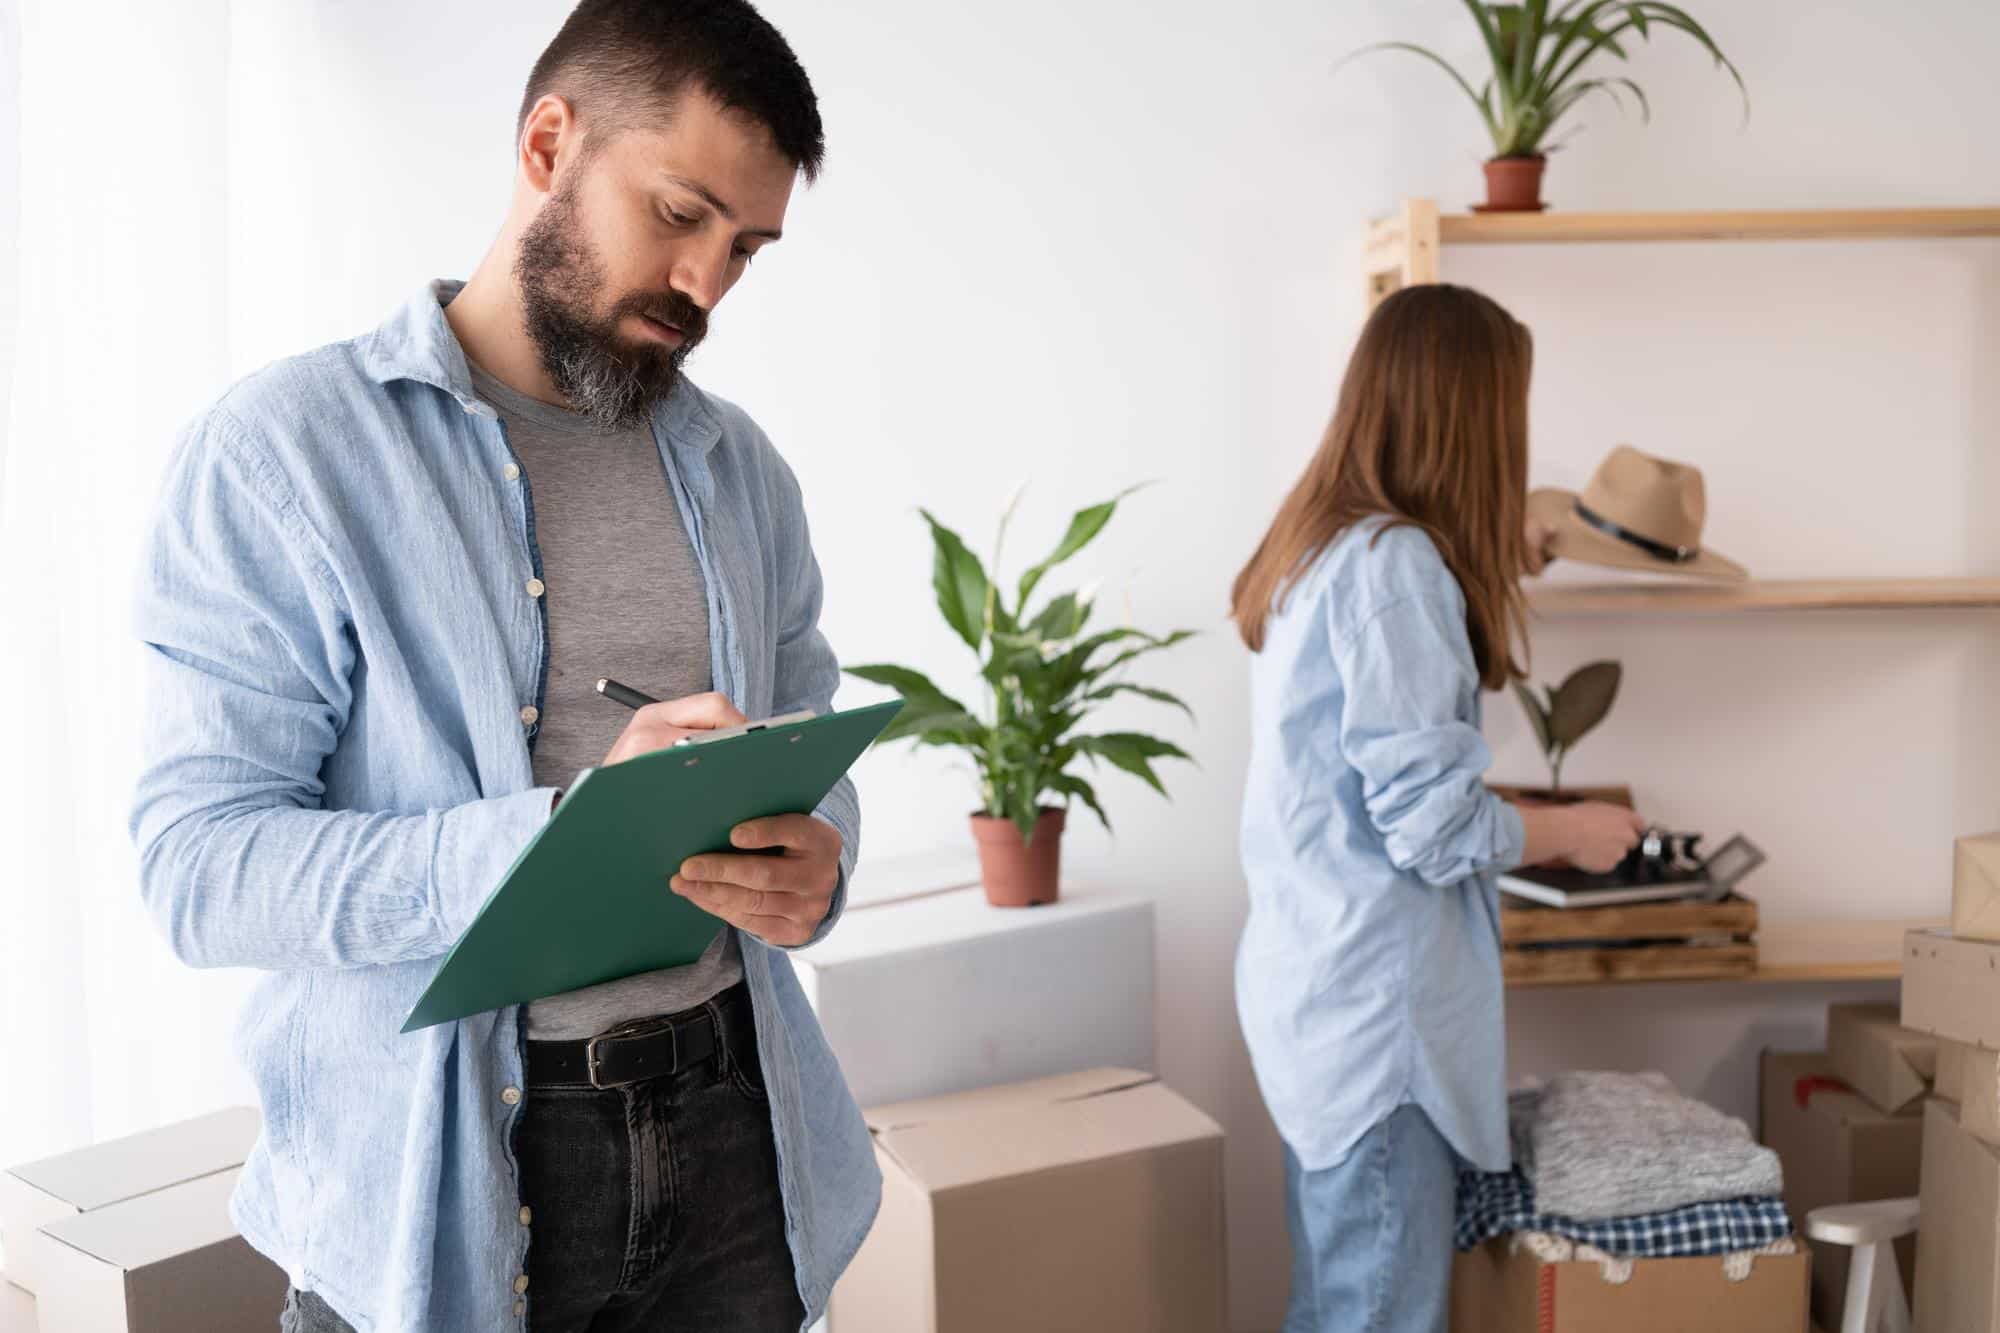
1043,678
1538,53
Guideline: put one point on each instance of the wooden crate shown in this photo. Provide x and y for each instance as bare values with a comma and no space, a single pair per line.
1684,941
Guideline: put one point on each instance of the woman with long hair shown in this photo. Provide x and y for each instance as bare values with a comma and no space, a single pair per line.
1383,598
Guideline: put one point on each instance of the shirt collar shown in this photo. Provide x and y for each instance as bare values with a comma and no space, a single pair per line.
416,343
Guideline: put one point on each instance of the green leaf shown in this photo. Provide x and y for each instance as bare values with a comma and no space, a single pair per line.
1489,30
961,584
1133,752
915,687
1582,701
1071,785
1061,619
1538,716
1160,696
1084,525
950,730
1152,645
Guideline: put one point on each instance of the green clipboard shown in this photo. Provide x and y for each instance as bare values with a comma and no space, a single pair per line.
587,900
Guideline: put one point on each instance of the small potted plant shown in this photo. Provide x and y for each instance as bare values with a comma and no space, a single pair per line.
1538,58
1562,716
1043,676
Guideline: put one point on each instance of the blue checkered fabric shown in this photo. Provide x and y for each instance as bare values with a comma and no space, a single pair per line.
1492,1203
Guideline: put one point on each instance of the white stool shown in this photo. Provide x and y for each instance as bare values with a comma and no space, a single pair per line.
1875,1299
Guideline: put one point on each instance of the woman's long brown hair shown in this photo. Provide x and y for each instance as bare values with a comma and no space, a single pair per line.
1431,430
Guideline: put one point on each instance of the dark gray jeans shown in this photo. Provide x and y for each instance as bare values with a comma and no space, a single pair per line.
654,1205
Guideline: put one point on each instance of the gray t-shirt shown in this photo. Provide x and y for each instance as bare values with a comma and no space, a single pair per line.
626,599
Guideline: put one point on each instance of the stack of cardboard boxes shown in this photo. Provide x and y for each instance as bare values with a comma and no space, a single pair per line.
134,1235
1951,990
1848,1124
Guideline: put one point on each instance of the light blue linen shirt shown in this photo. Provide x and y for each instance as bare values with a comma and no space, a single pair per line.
1368,974
343,670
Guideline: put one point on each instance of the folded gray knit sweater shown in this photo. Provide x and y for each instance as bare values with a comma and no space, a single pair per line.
1603,1145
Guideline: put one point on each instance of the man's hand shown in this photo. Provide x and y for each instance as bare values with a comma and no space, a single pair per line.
780,897
656,726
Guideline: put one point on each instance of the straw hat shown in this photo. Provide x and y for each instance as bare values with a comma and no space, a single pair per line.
1639,512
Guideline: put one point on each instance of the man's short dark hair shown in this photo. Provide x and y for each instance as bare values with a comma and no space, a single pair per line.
624,63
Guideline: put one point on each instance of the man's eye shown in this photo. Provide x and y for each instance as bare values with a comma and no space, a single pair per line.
745,255
680,219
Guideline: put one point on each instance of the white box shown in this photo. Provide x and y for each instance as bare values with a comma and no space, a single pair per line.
105,1173
938,994
166,1262
17,1309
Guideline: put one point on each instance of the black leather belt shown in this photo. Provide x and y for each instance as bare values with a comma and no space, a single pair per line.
646,1049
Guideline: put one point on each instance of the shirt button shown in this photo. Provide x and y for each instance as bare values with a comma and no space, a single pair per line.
535,587
521,1282
527,1214
512,1096
511,471
529,714
520,1308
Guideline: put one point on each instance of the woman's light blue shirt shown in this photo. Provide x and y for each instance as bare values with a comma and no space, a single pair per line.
1368,974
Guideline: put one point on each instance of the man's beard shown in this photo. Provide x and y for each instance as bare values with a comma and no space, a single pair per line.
608,378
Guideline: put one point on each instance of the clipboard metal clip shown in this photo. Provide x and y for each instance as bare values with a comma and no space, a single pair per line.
724,733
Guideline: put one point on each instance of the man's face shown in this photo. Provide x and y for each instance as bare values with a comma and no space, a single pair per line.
636,244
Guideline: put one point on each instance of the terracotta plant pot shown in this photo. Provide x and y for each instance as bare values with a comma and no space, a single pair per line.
1017,873
1514,184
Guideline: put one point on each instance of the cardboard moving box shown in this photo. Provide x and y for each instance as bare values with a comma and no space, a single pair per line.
1979,1093
1083,1203
1873,1053
1495,1291
1952,1060
106,1173
1837,1148
1975,888
165,1262
1951,987
1958,1271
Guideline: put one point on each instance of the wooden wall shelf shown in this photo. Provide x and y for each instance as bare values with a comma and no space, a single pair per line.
1805,951
1847,224
1577,599
1403,250
1833,950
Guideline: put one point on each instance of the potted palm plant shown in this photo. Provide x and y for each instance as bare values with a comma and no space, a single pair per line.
1539,52
1043,676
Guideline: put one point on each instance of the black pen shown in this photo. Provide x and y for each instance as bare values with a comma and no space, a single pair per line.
623,694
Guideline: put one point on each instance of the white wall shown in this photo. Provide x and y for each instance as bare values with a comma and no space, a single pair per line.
1086,244
10,207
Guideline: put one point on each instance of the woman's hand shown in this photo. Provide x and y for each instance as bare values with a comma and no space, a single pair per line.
1540,536
1601,834
1591,835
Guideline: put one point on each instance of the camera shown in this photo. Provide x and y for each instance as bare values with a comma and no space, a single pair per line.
1661,857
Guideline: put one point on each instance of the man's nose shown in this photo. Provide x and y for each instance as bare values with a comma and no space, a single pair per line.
700,277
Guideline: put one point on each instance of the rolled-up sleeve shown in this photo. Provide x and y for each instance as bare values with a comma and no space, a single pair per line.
247,664
1407,728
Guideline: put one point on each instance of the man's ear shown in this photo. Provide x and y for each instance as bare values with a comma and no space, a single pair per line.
549,136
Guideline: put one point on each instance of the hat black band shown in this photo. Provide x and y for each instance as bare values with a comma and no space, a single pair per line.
1679,555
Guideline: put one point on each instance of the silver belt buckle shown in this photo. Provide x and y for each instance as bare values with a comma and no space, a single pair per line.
591,1058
